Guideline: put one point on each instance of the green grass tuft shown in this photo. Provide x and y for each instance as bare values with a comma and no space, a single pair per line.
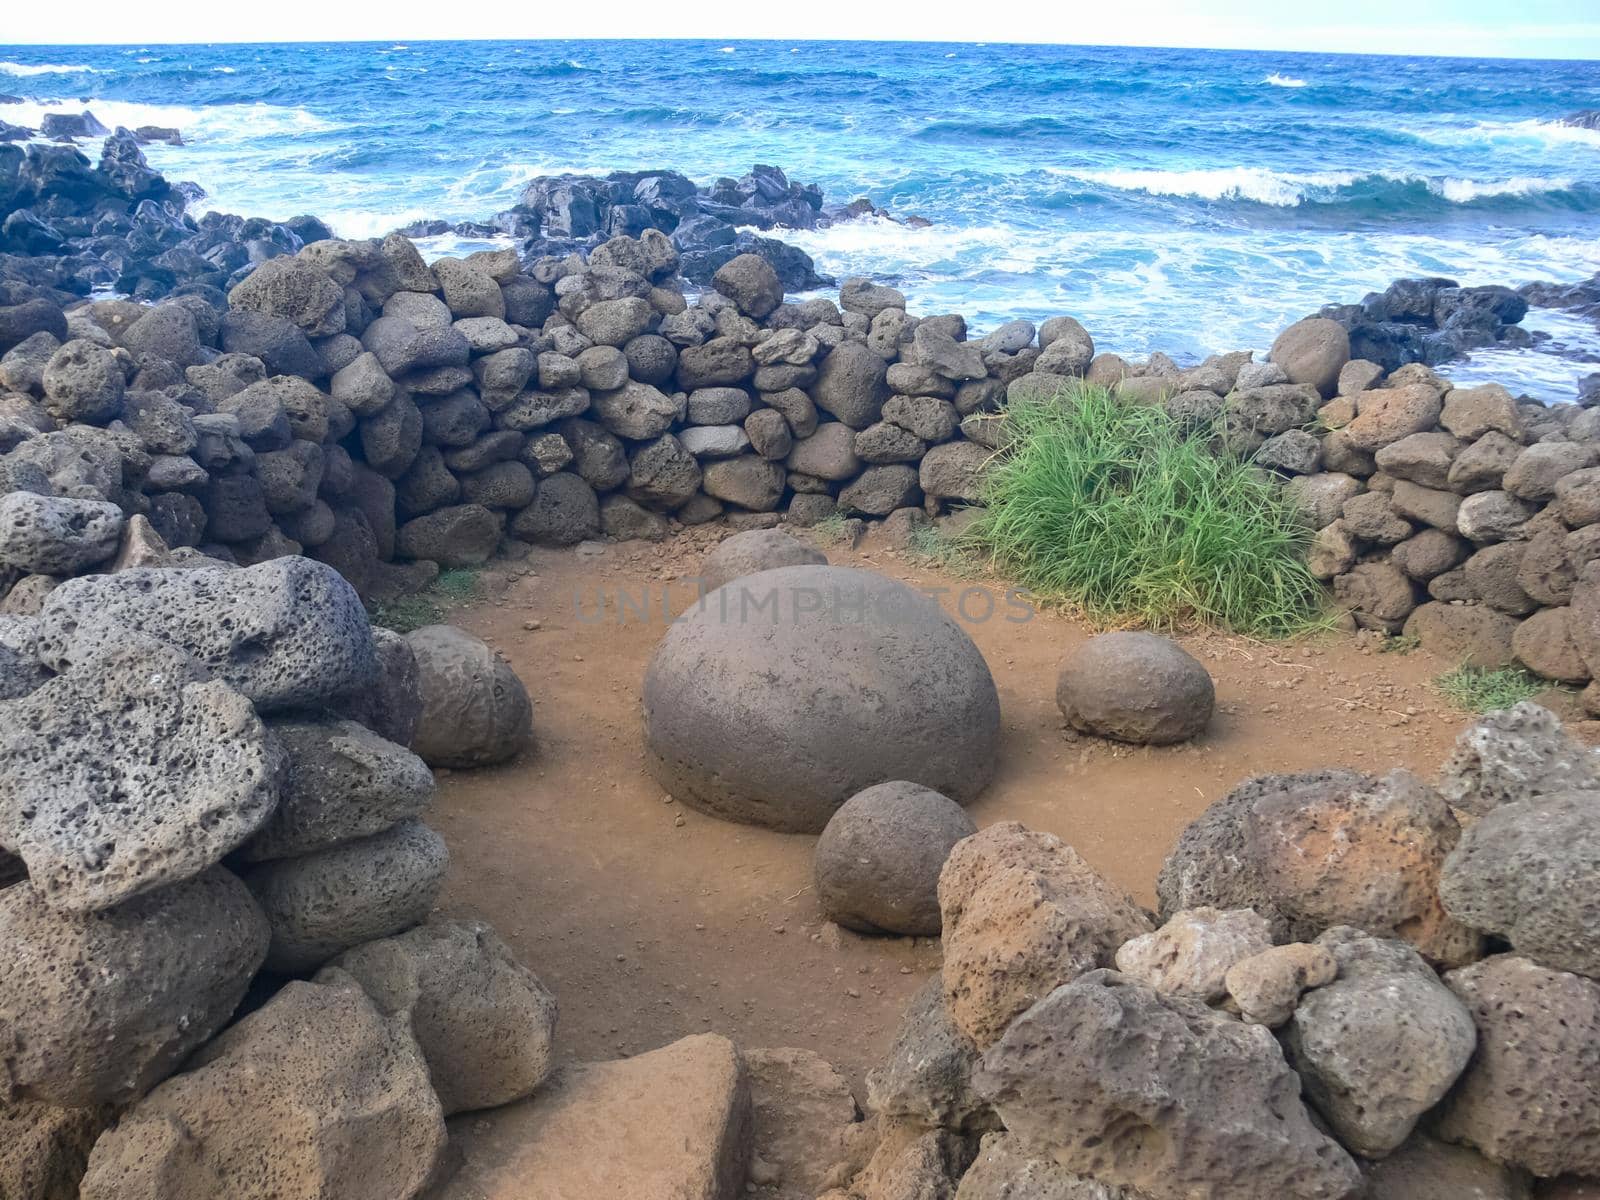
1117,510
1476,689
830,529
1399,643
451,588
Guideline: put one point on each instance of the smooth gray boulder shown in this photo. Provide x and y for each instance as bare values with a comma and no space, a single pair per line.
877,863
288,633
1524,871
342,782
475,711
100,1007
130,772
844,678
1135,687
314,1094
483,1021
1380,1045
753,551
1113,1079
323,903
56,535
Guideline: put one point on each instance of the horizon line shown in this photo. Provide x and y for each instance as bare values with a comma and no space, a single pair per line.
777,41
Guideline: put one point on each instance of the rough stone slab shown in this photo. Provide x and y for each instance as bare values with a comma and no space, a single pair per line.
675,1122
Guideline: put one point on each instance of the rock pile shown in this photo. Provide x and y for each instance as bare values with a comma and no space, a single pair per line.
199,816
1313,1018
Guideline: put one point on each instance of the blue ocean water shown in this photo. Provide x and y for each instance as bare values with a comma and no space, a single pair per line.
1181,200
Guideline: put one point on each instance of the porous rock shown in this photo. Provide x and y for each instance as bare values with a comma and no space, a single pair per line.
342,782
1266,987
100,1007
854,680
56,535
1531,1095
130,772
926,1078
286,633
315,1094
1113,1079
483,1021
1022,914
1191,954
330,900
1515,754
1380,1045
1521,871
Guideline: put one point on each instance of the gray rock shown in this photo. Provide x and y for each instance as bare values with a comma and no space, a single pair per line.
1493,516
1216,1108
623,520
750,482
483,1021
880,490
464,535
1531,1096
1538,469
1380,1045
718,405
769,434
851,385
1516,873
717,677
1294,452
53,535
390,440
343,782
714,441
100,1007
1066,347
637,411
1512,755
720,362
926,1078
468,291
475,711
598,455
956,471
83,382
1135,687
295,290
314,1094
616,322
754,551
503,485
1004,1170
288,633
128,773
877,863
564,512
750,282
1266,987
1192,953
323,903
1426,1169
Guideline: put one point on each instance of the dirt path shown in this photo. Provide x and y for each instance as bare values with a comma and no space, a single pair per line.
651,922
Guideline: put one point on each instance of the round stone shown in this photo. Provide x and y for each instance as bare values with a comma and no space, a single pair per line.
1135,687
877,863
753,551
475,711
774,701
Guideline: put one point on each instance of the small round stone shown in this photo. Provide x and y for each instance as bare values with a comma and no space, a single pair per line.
878,861
1135,687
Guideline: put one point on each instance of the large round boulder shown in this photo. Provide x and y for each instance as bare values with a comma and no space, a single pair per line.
1313,351
475,711
774,702
878,860
1135,687
753,551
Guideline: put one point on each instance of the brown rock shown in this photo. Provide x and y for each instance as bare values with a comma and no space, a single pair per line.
1492,575
1543,643
1313,351
1472,635
1388,414
1023,914
1266,987
804,1113
1469,413
1378,594
44,1150
1427,1169
675,1122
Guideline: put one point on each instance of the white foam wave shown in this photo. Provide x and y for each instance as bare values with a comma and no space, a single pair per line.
14,68
1288,81
728,50
1463,191
234,124
1550,134
1282,189
225,70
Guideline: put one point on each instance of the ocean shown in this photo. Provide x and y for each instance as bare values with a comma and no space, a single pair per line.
1179,200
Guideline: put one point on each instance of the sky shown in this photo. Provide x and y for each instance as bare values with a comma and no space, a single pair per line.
1469,28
